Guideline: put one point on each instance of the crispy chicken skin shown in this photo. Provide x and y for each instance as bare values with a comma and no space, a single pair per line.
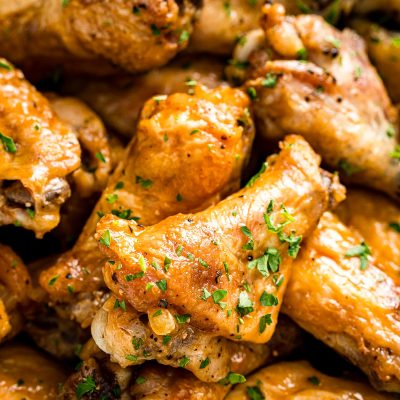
335,99
355,311
15,292
164,383
135,35
298,380
188,253
128,337
27,374
187,153
119,101
384,51
37,151
377,219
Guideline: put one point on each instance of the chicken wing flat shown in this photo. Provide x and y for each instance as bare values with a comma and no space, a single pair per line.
27,374
299,380
15,292
384,51
377,219
128,337
195,268
342,295
37,152
308,78
187,153
120,100
136,35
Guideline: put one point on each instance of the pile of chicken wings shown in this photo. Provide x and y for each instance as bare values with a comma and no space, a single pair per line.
199,199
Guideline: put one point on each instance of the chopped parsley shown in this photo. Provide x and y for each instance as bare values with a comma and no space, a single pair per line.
162,285
390,131
53,280
184,37
120,304
245,305
302,54
270,80
112,198
131,357
362,251
131,277
203,263
6,66
155,30
255,393
347,168
184,361
269,261
140,380
105,238
167,263
232,378
87,386
264,321
250,243
137,343
395,226
251,182
179,197
314,380
396,153
30,212
8,143
218,295
183,318
206,294
166,339
204,363
157,313
144,183
268,299
251,91
99,155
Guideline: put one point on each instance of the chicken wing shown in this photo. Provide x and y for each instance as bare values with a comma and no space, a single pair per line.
15,292
196,267
120,100
156,382
136,35
377,219
384,51
27,374
308,78
220,25
342,295
37,152
128,337
299,380
187,153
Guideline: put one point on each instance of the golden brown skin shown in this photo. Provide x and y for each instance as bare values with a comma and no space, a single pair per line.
298,380
114,328
198,245
33,173
384,51
135,35
93,174
164,383
354,311
120,100
377,219
335,99
27,374
15,292
166,170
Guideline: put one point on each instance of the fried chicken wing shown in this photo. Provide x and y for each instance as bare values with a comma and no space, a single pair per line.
120,100
37,152
218,253
135,35
298,380
384,51
156,382
15,291
342,295
377,219
27,374
220,25
308,78
187,153
130,339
